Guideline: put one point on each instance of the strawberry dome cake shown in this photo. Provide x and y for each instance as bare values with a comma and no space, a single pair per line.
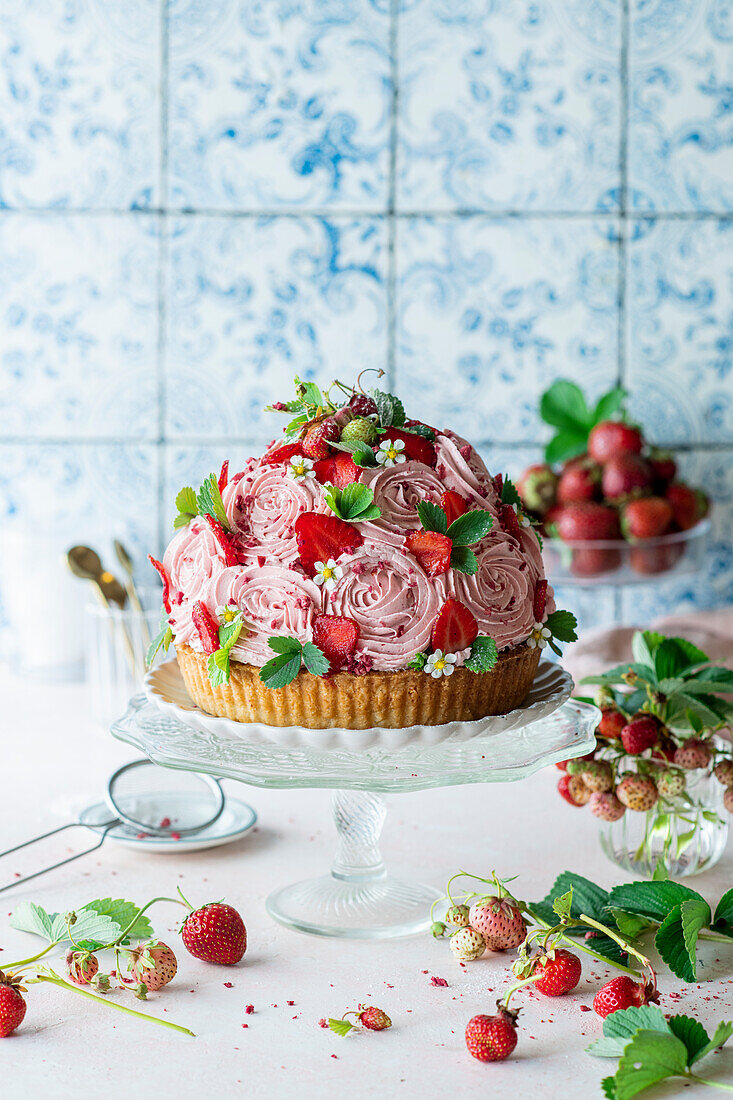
366,570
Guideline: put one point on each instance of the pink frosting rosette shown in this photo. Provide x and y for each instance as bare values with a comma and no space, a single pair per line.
273,599
462,469
193,557
263,505
392,599
397,490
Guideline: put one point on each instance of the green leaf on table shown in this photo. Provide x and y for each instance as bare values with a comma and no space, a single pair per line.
723,919
691,1033
649,1057
484,654
463,560
629,924
432,517
469,528
587,897
621,1025
89,925
676,937
652,900
210,503
121,912
341,1027
722,1034
29,917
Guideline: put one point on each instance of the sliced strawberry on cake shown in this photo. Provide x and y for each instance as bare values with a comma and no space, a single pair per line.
431,549
336,637
540,601
160,569
281,454
417,448
320,538
207,627
225,541
453,504
455,628
339,470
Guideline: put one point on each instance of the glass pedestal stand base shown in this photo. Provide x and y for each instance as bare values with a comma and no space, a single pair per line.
358,900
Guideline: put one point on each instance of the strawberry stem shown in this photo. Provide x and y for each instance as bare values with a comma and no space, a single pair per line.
137,916
32,959
621,942
575,944
707,1081
53,979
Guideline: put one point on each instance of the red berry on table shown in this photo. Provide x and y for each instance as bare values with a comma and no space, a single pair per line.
611,438
500,922
375,1019
640,734
215,933
637,792
693,754
559,974
455,627
606,806
688,505
153,964
82,966
647,518
12,1004
587,521
206,626
318,436
611,723
492,1038
581,481
621,992
339,469
336,636
417,448
453,504
573,790
625,474
320,538
431,549
537,487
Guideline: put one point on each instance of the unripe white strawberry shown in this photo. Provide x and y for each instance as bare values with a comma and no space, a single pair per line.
606,806
457,915
692,755
153,964
670,784
724,772
598,776
360,430
467,944
637,792
499,921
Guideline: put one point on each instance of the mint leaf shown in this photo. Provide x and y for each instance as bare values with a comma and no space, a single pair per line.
691,1033
723,920
563,405
187,507
285,644
470,527
464,560
609,404
315,660
484,655
121,912
341,1027
621,1025
280,670
163,638
509,493
418,661
361,452
354,503
210,502
677,935
562,625
653,900
390,409
566,444
229,632
432,517
723,1032
649,1058
217,667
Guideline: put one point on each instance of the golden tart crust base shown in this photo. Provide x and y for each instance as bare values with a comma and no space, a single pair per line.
390,699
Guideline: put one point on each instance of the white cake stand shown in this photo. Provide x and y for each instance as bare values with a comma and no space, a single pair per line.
359,899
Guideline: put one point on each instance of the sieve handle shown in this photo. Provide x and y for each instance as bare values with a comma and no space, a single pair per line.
62,862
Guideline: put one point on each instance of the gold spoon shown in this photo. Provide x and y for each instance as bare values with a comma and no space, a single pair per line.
126,562
85,563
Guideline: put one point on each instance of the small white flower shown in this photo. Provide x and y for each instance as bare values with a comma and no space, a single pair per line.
327,573
300,468
440,664
390,452
227,613
538,637
524,521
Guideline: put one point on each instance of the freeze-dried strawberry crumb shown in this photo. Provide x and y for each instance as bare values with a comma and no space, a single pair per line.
323,1023
438,981
228,985
165,823
290,1002
249,1009
175,836
585,1008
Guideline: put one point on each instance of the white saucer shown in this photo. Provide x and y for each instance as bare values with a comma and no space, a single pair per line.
235,821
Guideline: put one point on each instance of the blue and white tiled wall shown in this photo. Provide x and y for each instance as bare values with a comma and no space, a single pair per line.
199,198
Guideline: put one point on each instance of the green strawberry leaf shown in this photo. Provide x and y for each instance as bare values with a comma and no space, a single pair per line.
723,1032
677,935
310,394
563,626
723,919
587,897
418,662
229,632
121,912
629,925
676,655
652,900
432,517
390,410
163,638
609,404
563,405
463,560
691,1033
566,444
29,917
187,507
609,1088
469,528
484,654
650,1057
354,503
285,644
315,660
281,670
218,667
621,1025
509,493
361,453
420,429
563,904
643,646
210,502
341,1027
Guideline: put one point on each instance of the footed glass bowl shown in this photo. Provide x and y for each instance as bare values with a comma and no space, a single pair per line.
359,899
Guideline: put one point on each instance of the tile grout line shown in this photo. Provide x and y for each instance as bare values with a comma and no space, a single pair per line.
338,213
161,464
391,288
622,316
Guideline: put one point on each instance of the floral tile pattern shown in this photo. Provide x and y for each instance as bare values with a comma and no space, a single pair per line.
509,105
680,137
483,327
283,104
680,334
78,103
78,317
255,301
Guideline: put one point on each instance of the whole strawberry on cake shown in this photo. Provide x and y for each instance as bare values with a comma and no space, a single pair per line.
365,571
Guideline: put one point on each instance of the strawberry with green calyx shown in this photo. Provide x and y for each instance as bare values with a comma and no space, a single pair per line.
646,518
467,944
620,993
579,481
492,1038
688,505
447,546
214,933
370,1018
82,966
360,430
318,437
624,476
152,965
637,792
458,916
537,488
564,407
12,1004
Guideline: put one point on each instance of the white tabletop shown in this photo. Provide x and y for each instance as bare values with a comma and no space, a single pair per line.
55,762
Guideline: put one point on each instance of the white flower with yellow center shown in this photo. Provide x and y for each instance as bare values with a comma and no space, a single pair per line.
524,521
440,664
300,468
390,452
538,637
327,573
227,613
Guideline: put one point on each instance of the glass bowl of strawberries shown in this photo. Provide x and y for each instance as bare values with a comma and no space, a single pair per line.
611,507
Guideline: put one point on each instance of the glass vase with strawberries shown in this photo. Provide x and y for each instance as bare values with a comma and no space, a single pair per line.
611,506
660,779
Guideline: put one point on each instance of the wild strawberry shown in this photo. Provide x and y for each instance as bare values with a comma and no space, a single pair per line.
611,723
375,1019
362,405
637,792
492,1038
320,538
499,921
160,568
670,784
455,627
664,467
467,944
153,964
338,469
611,438
360,430
640,734
622,992
457,915
207,627
82,966
336,637
215,933
318,436
605,805
691,755
728,799
625,474
417,448
280,455
581,481
537,487
646,518
687,505
431,549
225,541
12,1005
559,974
573,790
453,504
598,776
539,601
723,772
587,521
